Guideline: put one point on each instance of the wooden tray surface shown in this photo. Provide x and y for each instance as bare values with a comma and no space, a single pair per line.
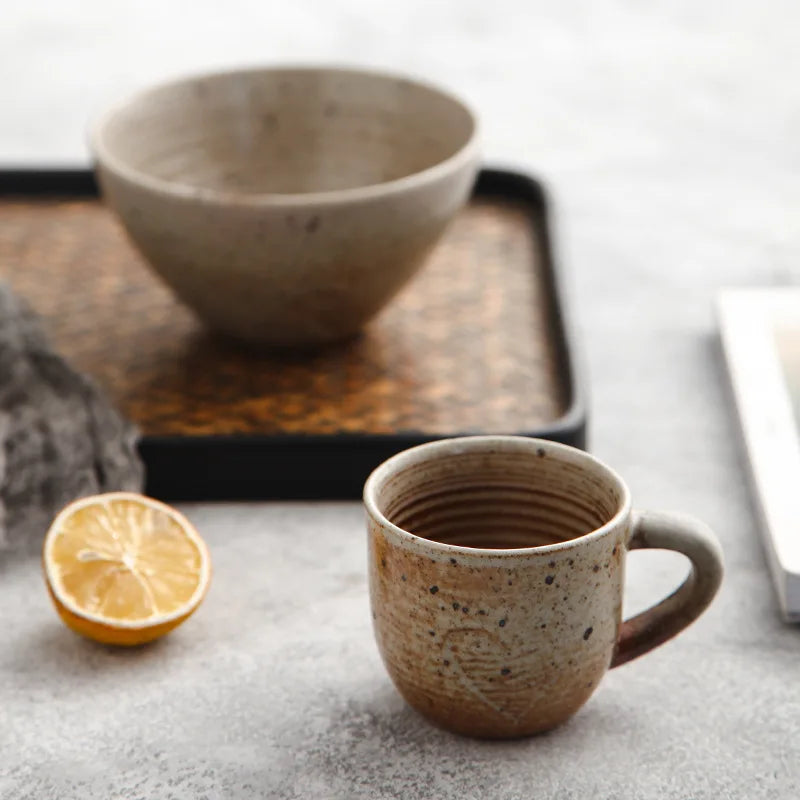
472,345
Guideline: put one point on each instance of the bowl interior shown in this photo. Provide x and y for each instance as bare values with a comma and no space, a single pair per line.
284,131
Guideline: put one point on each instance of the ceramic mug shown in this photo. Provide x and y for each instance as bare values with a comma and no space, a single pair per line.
496,573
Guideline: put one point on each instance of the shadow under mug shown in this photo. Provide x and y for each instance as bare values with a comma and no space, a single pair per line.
496,574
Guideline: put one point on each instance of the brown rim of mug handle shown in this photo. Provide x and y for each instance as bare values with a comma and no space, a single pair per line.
667,531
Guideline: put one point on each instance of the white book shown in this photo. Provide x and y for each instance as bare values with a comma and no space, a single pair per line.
760,331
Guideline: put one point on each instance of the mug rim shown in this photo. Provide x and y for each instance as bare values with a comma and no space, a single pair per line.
420,453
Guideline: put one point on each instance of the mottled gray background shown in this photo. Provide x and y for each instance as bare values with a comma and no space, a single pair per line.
670,135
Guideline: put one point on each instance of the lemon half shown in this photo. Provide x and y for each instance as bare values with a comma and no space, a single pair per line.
124,569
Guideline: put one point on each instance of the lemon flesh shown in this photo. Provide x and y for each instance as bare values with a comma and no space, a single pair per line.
123,568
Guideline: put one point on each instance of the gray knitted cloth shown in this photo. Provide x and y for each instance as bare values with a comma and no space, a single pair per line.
60,439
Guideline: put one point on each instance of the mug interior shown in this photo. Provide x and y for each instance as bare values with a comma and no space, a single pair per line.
496,492
285,131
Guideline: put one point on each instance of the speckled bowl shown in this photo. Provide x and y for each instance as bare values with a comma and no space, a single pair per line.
286,206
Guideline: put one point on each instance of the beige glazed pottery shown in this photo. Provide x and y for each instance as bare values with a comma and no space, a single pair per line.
496,572
287,206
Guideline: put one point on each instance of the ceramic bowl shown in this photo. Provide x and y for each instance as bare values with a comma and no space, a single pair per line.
287,206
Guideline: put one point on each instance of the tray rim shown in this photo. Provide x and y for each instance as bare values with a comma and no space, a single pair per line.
180,455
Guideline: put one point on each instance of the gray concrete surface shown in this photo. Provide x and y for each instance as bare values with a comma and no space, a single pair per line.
669,134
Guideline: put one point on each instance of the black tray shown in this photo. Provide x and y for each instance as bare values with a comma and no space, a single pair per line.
283,465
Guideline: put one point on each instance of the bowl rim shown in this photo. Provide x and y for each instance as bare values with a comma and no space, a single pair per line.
106,159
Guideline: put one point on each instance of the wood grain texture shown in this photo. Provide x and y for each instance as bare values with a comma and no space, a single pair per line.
468,347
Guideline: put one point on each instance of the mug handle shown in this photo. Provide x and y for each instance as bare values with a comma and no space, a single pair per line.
668,531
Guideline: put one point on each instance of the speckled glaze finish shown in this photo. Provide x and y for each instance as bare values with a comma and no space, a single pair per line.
287,206
496,572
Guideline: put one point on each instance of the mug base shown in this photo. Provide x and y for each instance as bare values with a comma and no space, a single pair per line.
491,727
